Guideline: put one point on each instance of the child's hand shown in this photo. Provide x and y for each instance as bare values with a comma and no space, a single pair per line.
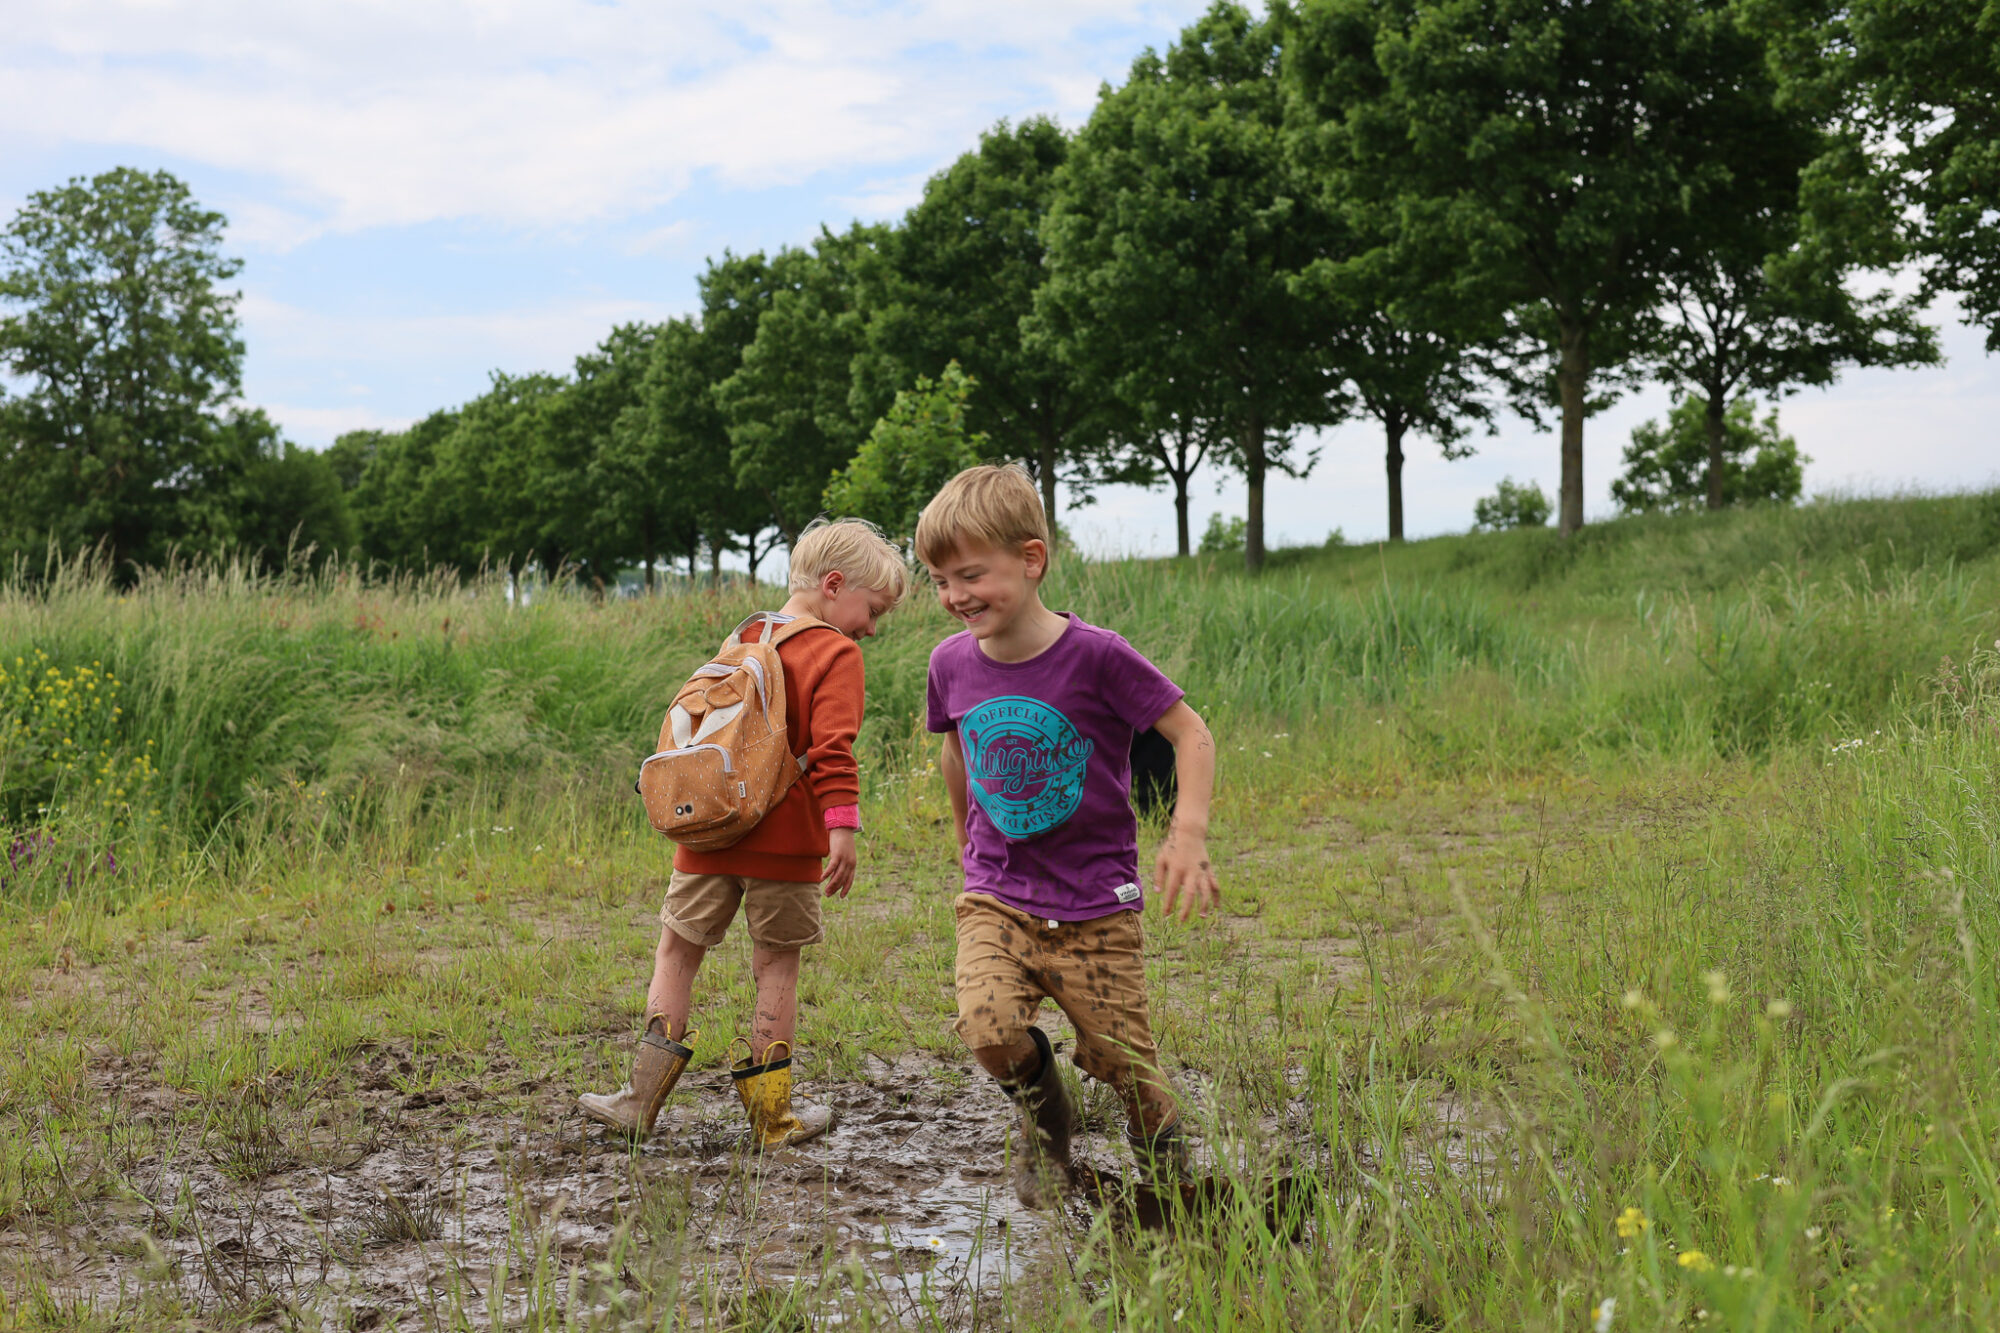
840,859
1183,877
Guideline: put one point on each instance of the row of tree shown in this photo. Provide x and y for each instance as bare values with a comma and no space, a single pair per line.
1418,212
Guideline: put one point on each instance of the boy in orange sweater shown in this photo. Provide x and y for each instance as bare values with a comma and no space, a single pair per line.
847,575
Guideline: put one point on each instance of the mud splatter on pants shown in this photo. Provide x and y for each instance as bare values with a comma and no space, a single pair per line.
1009,962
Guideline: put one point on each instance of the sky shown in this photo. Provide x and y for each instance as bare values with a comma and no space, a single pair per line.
424,193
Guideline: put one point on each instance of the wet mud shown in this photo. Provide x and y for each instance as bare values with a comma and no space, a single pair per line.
384,1203
423,1209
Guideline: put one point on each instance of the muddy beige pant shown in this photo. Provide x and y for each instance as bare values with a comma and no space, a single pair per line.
1009,962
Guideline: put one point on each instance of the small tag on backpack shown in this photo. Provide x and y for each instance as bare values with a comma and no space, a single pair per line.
1128,893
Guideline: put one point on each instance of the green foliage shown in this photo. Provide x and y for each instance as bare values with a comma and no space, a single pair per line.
409,700
917,446
659,476
1223,535
391,496
63,743
789,405
128,349
1771,294
1934,87
293,505
1666,466
1173,241
963,269
1512,505
1485,129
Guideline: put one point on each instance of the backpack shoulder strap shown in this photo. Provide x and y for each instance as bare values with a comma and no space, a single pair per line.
777,628
783,628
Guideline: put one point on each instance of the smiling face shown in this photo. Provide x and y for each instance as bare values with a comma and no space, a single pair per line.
986,588
851,608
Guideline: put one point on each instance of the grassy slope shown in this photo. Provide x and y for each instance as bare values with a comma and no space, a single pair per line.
1574,839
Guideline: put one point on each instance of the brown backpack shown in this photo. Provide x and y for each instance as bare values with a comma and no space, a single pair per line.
724,761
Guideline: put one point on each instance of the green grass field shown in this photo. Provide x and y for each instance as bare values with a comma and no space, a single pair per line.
1610,920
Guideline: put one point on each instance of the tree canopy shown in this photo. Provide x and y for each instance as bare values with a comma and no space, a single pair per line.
127,342
961,276
1180,221
1417,212
1671,466
1564,148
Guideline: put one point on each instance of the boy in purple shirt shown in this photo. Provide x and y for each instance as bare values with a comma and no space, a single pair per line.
1038,712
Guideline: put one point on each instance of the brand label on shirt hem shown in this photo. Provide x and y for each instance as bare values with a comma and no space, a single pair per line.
1128,893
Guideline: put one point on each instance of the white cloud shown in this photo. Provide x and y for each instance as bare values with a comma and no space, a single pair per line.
320,425
886,198
535,112
301,357
545,336
660,238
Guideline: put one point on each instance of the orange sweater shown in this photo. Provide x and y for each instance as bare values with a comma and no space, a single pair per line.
823,697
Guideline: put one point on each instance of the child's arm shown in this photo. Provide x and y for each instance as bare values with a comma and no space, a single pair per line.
835,778
1182,872
952,761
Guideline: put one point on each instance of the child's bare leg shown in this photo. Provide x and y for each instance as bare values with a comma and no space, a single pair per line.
656,1067
671,993
777,974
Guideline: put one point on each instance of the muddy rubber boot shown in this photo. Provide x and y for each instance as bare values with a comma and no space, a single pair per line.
766,1090
655,1069
1167,1192
1043,1168
1162,1157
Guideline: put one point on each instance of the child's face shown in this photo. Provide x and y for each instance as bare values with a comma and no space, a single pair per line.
986,588
851,608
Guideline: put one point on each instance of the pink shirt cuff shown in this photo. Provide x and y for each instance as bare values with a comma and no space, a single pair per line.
843,816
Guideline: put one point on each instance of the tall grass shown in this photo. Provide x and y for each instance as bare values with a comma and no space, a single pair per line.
1709,1006
332,705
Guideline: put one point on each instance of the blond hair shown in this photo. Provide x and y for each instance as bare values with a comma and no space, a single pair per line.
855,548
993,505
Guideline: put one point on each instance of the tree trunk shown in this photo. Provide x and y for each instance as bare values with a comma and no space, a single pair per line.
1394,428
715,564
1181,510
1046,465
755,556
649,551
1254,463
1713,422
693,552
1572,382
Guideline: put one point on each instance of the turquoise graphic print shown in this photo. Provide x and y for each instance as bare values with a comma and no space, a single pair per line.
1025,762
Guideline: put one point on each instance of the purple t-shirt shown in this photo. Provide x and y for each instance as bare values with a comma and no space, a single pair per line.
1048,757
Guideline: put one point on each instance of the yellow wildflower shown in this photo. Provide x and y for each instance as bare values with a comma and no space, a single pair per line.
1695,1261
1631,1222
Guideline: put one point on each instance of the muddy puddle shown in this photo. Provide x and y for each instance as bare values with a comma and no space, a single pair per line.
371,1207
423,1211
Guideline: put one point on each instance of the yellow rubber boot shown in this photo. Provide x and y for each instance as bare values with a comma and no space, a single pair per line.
766,1090
655,1069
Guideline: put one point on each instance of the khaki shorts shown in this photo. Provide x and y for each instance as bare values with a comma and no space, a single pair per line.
1008,962
779,913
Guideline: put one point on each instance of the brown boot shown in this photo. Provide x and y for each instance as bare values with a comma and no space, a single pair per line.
655,1069
766,1090
1042,1167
